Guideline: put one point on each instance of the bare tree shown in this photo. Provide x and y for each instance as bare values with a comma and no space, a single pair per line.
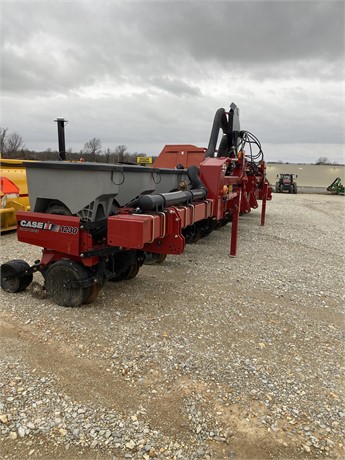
323,161
14,143
107,154
120,152
10,144
3,132
93,148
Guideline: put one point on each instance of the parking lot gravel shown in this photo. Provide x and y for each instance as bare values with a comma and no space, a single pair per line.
201,357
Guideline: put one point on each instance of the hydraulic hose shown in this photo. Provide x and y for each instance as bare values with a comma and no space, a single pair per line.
193,176
162,200
158,201
223,146
220,122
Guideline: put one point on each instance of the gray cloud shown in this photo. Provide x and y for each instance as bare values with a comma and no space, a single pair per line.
66,45
251,31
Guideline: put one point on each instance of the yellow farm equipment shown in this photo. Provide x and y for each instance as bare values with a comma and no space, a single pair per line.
14,192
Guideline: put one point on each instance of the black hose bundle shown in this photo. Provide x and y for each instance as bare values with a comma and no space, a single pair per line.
159,201
220,122
229,123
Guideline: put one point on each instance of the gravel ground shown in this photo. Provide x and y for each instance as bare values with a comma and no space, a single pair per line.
204,356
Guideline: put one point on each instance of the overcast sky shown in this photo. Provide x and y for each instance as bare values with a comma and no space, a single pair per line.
150,73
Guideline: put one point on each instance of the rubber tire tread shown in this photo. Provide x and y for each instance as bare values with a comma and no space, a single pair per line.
55,285
15,266
131,267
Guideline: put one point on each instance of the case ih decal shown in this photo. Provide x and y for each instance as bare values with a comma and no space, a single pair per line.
32,224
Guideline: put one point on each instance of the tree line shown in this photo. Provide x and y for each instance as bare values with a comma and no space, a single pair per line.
12,146
319,161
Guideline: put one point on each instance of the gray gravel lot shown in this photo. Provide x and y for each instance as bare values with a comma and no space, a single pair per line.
204,356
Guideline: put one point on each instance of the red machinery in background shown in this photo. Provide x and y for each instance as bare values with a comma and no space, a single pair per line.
80,254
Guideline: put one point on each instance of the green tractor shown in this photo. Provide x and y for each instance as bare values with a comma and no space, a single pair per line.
336,186
286,183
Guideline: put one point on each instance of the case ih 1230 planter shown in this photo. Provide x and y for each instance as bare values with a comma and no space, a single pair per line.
99,222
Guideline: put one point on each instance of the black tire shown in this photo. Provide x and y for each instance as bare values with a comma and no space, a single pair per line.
93,294
224,222
152,258
125,265
192,234
189,233
161,258
60,209
206,227
15,284
295,188
60,284
197,234
134,270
